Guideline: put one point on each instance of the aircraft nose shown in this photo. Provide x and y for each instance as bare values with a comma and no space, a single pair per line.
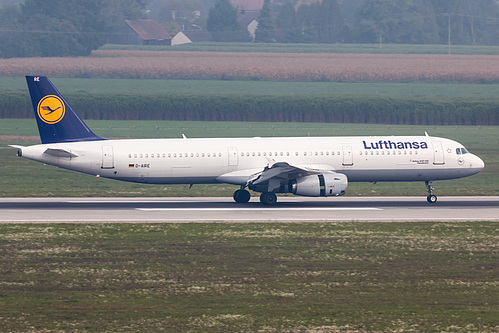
479,164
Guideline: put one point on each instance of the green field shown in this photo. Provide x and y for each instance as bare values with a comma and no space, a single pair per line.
348,277
272,88
315,48
21,177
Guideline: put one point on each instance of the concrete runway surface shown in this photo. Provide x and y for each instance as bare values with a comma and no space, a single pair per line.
214,209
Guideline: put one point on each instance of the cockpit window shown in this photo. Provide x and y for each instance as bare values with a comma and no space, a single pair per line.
461,151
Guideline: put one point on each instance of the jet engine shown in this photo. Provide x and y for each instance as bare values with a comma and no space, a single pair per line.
322,185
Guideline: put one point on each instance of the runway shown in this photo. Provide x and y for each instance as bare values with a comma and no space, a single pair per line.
214,209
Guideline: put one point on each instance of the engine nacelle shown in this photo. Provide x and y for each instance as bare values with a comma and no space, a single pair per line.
323,185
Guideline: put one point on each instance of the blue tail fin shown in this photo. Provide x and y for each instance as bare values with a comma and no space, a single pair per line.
56,119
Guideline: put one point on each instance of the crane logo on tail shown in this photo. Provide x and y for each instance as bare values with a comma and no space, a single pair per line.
51,109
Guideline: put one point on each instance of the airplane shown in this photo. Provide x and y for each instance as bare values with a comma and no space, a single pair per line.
304,166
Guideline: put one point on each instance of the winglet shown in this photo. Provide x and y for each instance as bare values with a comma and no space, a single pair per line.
56,119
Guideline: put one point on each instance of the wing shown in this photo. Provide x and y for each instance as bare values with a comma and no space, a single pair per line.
285,171
274,175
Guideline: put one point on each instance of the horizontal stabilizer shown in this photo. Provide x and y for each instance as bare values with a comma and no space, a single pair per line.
57,152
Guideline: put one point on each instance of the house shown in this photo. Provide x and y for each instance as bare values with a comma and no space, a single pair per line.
250,21
142,32
191,36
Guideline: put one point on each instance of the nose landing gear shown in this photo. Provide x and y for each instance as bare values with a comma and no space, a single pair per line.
431,198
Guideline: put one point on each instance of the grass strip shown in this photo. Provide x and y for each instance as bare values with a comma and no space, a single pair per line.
250,277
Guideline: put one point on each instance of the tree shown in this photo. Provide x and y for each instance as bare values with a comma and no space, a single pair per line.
186,14
65,27
330,22
375,20
322,22
265,30
287,22
222,23
306,16
113,13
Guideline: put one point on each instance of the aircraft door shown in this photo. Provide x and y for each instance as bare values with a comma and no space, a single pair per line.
233,157
438,153
107,157
347,156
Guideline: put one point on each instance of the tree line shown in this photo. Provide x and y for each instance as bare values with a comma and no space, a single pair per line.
76,27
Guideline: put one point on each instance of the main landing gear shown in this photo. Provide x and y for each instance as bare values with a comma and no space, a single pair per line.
243,196
268,198
431,198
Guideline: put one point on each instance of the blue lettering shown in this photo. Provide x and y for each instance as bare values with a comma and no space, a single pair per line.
395,145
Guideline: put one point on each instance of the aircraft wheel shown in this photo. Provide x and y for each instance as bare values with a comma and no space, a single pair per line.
268,198
241,196
431,198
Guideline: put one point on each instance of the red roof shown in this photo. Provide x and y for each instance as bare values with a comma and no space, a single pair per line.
148,29
248,4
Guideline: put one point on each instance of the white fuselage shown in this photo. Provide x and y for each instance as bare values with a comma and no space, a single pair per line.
234,160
